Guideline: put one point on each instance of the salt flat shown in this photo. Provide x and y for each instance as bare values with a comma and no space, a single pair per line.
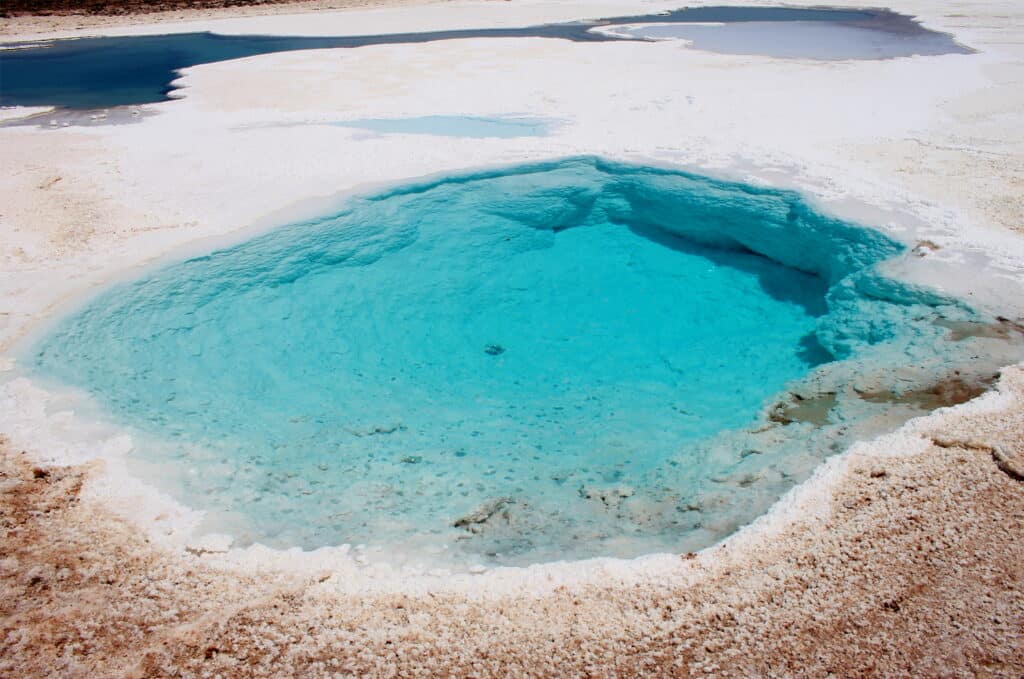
929,148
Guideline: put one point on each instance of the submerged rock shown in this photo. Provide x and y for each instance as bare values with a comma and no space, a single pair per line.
925,247
814,410
610,497
483,513
1002,329
376,429
951,391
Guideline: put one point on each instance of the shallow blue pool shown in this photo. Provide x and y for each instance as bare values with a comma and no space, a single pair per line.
527,363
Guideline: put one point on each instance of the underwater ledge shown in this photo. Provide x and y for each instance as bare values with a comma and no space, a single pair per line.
880,352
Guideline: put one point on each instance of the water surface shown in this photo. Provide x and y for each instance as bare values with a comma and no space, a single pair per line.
93,73
550,361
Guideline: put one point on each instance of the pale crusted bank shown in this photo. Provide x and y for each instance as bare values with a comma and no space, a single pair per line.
913,571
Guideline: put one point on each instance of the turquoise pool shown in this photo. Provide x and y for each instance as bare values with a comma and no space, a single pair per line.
557,360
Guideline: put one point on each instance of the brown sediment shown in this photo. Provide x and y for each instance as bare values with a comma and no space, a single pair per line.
951,391
915,571
924,247
1002,328
814,410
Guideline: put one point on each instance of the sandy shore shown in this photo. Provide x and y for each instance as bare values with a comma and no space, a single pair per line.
899,558
915,571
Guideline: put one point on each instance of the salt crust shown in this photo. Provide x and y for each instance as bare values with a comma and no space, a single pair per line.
8,113
873,149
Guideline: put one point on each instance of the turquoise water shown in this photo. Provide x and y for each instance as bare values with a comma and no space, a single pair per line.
505,127
558,341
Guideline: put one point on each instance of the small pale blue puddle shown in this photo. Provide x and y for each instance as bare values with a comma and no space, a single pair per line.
505,127
561,360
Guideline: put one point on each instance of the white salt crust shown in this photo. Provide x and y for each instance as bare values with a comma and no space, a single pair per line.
927,149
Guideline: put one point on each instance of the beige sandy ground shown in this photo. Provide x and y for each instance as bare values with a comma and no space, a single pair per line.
914,567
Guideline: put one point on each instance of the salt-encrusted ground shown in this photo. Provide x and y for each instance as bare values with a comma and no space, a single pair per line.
910,571
915,571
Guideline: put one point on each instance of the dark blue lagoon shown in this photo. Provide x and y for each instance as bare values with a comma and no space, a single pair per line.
567,359
91,73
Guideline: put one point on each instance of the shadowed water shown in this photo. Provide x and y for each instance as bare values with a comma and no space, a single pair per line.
801,39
